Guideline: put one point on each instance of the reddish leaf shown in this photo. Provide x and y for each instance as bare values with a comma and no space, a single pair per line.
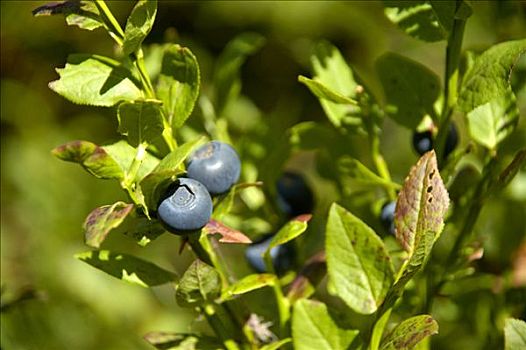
102,220
229,235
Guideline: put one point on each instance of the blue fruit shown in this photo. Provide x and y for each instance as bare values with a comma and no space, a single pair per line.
282,255
186,206
387,216
216,165
294,195
424,142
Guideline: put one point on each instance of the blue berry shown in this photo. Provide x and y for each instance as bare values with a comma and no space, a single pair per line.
186,206
423,141
387,216
294,195
216,165
282,255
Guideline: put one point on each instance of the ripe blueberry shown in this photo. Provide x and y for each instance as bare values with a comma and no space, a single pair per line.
387,216
186,206
294,195
424,141
216,165
282,255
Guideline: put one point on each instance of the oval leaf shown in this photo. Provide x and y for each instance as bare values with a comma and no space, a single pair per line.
331,70
313,328
409,99
248,284
138,25
102,220
359,268
409,333
178,83
95,80
92,158
200,283
291,230
127,268
124,154
141,121
323,92
85,15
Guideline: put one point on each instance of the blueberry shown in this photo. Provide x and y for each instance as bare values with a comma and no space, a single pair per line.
294,195
423,141
216,165
282,255
387,216
186,206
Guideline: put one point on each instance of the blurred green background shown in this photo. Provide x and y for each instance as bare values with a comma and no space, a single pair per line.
66,304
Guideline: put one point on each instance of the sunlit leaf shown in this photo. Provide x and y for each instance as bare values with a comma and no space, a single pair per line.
289,231
248,284
323,92
228,234
514,334
313,328
182,341
124,154
127,268
178,83
138,25
102,220
95,80
83,14
359,268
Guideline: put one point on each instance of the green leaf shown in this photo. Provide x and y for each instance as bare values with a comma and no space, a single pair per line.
359,268
378,330
178,83
95,80
493,121
419,217
142,230
514,334
331,70
226,203
175,159
92,158
424,20
85,15
124,154
289,231
276,345
323,92
352,169
227,82
410,88
141,121
488,79
313,328
409,333
127,268
518,162
248,284
102,220
138,25
182,341
200,283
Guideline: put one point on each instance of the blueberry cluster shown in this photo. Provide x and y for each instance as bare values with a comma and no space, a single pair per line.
294,197
187,204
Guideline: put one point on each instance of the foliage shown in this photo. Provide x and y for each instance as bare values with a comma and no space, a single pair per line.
382,292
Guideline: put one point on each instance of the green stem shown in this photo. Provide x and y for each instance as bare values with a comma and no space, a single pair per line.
453,51
380,163
145,78
131,174
219,328
110,22
282,301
